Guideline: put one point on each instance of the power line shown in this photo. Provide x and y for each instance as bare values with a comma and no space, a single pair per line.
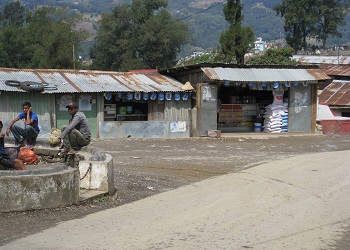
210,7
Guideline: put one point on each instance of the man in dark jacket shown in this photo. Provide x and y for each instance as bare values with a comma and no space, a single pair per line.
77,134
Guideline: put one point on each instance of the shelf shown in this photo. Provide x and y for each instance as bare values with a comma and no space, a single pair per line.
237,116
110,111
132,117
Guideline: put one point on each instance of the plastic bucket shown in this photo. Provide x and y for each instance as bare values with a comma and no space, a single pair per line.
129,109
257,127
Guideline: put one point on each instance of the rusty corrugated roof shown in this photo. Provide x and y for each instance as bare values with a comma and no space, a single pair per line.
306,59
337,70
336,94
264,74
78,81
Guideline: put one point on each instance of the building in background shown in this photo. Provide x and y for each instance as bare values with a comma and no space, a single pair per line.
140,104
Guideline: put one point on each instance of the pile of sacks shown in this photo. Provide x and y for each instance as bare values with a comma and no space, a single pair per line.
285,122
276,118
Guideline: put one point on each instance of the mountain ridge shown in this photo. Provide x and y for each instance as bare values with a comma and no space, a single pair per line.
205,18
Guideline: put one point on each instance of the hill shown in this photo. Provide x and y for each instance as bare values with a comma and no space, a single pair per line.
204,17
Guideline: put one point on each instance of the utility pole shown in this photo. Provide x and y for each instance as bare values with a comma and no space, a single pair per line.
73,57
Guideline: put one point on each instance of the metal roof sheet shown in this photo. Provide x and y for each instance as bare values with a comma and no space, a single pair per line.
336,94
264,74
73,81
306,59
337,70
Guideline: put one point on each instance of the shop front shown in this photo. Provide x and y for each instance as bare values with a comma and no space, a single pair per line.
268,100
138,104
248,99
268,107
146,115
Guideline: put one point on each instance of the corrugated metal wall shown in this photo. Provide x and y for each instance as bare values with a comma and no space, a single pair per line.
169,110
42,104
177,110
155,111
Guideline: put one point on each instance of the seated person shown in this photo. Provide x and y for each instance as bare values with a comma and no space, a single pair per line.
31,127
77,134
5,159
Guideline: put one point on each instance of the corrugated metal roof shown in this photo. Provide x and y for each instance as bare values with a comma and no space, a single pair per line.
336,94
306,59
73,81
264,74
337,70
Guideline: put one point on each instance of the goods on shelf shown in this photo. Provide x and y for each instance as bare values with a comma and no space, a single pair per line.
237,116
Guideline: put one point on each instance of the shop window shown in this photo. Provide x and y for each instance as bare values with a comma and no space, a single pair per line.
242,105
125,107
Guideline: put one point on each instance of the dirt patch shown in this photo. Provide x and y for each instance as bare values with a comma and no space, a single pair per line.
144,167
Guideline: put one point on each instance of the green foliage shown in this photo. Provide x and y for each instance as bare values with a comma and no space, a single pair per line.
233,12
279,56
144,9
45,41
236,40
305,18
331,15
138,35
14,49
13,15
112,42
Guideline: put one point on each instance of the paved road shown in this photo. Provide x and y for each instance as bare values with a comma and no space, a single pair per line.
299,203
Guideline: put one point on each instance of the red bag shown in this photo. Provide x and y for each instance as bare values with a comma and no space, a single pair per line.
28,156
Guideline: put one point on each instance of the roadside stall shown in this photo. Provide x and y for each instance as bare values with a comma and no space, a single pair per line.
139,104
266,99
249,99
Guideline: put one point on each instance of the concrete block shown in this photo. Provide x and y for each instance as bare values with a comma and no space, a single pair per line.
97,175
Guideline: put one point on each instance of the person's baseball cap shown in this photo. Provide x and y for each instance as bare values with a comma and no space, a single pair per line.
72,105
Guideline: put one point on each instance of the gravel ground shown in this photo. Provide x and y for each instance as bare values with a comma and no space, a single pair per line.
144,167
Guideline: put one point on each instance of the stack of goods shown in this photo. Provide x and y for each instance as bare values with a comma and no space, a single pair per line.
276,114
285,122
274,121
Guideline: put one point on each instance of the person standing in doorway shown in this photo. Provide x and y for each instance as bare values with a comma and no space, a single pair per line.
77,134
29,132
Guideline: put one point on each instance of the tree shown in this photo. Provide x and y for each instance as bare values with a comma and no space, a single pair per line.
279,56
300,19
305,18
331,15
112,47
14,48
13,15
138,35
12,45
52,34
45,41
236,40
142,10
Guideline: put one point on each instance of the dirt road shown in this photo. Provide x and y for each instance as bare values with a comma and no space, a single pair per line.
144,167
